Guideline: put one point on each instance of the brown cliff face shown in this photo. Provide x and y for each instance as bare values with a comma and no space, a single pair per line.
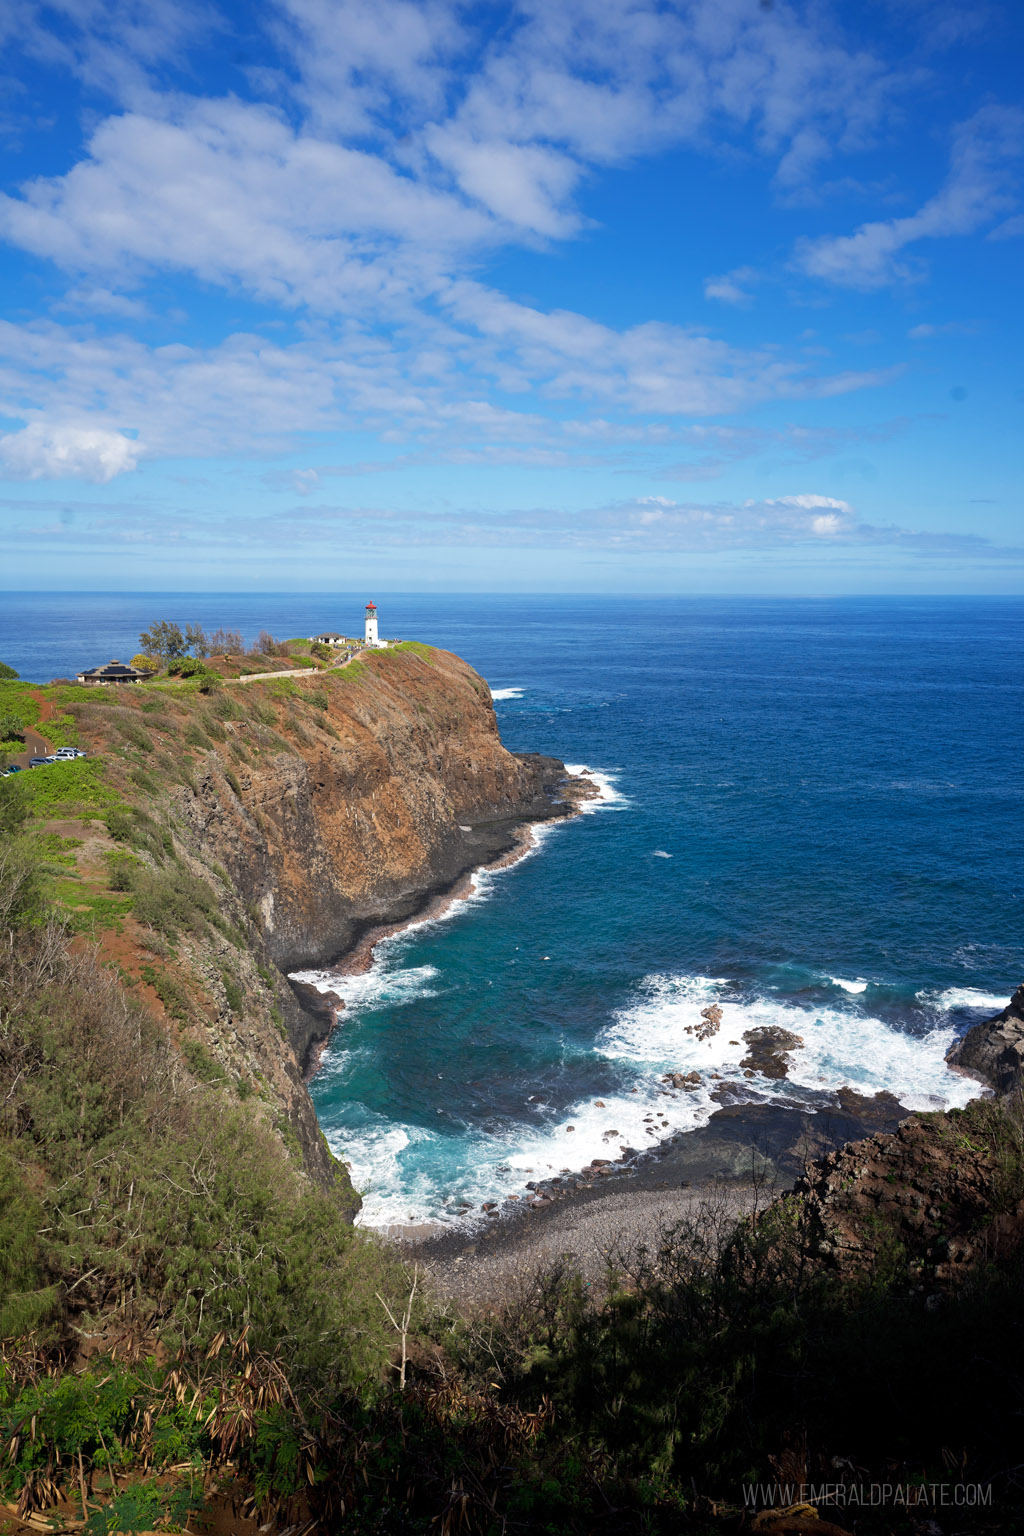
379,796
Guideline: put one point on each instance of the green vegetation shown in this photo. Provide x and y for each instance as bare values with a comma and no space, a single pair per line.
18,710
232,991
56,849
425,652
6,672
61,730
66,789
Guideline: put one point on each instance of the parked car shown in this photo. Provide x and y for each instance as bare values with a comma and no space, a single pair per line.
65,754
40,762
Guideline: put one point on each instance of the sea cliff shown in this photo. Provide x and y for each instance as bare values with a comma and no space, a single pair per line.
255,827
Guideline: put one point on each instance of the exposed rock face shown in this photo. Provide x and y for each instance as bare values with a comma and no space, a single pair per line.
937,1191
405,788
355,813
994,1050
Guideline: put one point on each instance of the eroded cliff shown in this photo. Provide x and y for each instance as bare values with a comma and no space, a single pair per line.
263,826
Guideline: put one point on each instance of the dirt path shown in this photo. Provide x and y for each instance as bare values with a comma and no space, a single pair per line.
35,745
261,677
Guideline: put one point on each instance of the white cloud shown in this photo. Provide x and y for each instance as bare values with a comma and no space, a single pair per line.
249,394
728,288
950,328
43,451
643,526
977,190
229,192
244,193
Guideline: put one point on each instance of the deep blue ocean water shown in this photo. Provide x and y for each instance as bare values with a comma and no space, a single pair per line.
813,817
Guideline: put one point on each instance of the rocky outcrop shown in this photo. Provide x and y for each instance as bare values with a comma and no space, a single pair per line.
937,1196
994,1050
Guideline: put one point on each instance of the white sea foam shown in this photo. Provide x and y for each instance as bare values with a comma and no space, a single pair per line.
659,853
840,1048
965,997
412,1175
380,984
609,796
860,985
507,693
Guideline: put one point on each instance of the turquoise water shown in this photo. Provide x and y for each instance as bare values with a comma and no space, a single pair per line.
813,818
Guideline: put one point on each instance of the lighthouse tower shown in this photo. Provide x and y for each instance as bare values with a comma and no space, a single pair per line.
371,625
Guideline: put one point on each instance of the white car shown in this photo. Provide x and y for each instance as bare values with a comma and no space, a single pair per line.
65,754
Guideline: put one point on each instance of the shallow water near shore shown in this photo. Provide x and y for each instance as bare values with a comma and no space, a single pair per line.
811,817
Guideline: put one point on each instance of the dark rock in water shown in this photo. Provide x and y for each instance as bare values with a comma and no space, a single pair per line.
769,1049
994,1050
324,1006
681,1079
875,1113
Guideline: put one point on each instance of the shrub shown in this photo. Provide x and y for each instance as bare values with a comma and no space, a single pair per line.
133,732
196,737
14,806
225,707
6,671
232,991
169,991
54,790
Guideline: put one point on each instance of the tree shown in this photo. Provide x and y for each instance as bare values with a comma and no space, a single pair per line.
144,663
12,727
268,646
164,639
13,807
196,641
225,642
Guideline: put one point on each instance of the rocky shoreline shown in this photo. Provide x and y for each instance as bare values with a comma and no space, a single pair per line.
745,1155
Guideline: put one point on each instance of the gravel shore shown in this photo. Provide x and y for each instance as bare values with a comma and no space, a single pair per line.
746,1153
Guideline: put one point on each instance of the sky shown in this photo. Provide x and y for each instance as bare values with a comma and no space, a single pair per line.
709,296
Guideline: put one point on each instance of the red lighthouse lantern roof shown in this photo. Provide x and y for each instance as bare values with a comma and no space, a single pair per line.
371,605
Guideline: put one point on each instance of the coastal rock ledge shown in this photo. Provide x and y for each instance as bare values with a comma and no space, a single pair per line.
994,1050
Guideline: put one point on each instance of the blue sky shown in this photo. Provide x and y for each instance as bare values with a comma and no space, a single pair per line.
719,296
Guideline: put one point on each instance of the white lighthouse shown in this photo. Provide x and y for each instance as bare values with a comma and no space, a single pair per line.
371,625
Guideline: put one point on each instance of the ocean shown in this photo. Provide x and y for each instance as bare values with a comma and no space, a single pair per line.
810,815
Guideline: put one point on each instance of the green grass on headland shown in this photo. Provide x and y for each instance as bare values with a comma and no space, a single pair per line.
62,789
